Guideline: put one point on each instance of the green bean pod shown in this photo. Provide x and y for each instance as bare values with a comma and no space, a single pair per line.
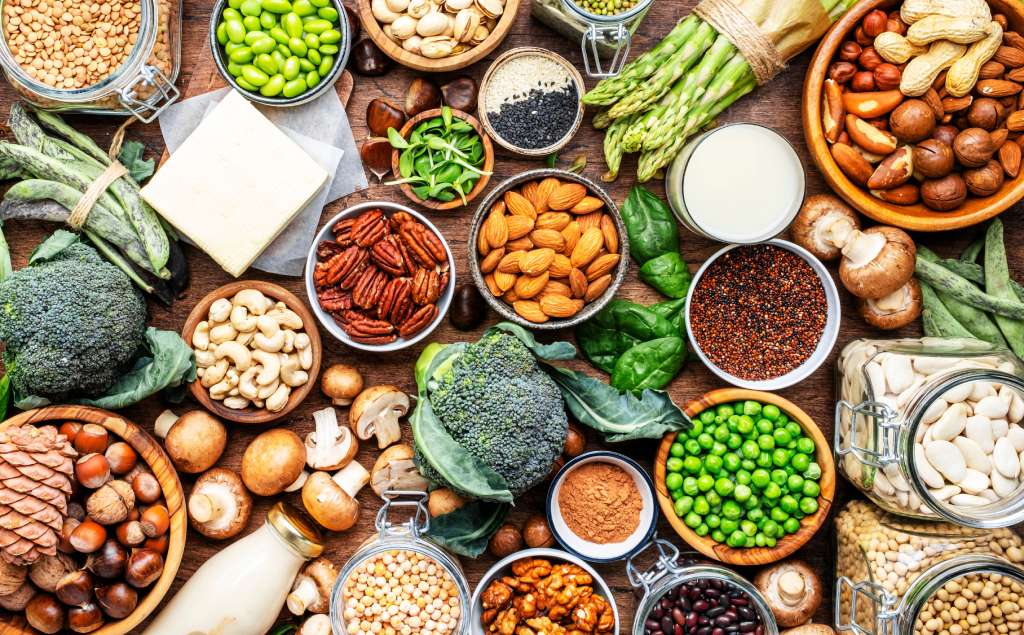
997,283
944,280
937,318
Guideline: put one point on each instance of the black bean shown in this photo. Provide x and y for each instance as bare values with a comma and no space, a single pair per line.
712,593
745,612
747,626
723,621
737,601
666,624
715,612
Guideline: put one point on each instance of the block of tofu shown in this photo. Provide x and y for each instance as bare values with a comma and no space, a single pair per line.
234,184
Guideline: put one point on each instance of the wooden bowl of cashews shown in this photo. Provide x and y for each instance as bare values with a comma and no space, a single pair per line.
258,351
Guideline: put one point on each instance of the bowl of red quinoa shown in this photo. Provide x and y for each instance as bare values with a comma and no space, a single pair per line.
763,316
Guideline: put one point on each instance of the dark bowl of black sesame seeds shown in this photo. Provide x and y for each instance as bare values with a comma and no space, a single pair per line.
531,101
763,316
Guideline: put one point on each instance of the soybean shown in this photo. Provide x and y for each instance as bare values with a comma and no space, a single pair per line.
314,57
311,41
264,45
305,66
254,76
328,49
312,78
325,65
298,47
266,64
328,13
294,88
251,7
235,31
246,85
251,22
268,20
303,8
277,6
330,36
273,87
292,24
279,35
290,70
241,55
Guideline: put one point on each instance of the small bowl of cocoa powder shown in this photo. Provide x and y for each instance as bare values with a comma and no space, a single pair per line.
601,506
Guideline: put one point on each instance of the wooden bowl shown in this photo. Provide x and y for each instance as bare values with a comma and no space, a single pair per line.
444,65
150,452
252,416
914,217
487,167
808,526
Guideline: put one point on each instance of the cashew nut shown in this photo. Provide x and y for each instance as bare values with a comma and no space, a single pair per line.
220,310
270,304
271,366
222,333
245,339
241,320
252,299
236,403
215,373
220,390
247,383
259,403
269,389
305,352
231,377
287,318
289,341
205,359
233,392
201,336
200,372
271,337
279,399
237,353
291,374
267,325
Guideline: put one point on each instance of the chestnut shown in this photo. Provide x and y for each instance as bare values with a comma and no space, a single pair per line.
92,470
85,618
376,155
155,521
933,159
75,588
381,114
973,147
92,438
121,457
461,93
355,27
144,567
117,600
368,60
130,533
88,536
44,613
422,95
109,562
468,309
146,487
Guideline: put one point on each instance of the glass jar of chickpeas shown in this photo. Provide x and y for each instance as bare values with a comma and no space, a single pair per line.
97,56
605,28
908,577
397,583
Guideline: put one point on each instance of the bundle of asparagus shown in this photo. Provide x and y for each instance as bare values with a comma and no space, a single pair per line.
674,90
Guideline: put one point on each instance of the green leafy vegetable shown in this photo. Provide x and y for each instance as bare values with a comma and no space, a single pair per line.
556,351
131,157
618,327
650,225
668,274
652,364
674,311
467,530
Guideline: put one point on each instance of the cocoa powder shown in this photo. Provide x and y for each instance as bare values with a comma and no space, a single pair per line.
600,503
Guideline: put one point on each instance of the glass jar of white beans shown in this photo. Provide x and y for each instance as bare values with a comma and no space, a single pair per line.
905,577
934,428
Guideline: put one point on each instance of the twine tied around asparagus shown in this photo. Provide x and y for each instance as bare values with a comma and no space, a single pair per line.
759,51
114,171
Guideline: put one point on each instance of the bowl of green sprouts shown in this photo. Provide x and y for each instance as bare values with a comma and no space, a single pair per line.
442,159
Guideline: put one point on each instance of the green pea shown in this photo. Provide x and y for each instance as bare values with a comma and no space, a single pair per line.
731,462
714,500
782,437
251,23
731,510
279,35
268,20
719,449
808,505
292,24
241,55
312,42
766,442
294,88
683,506
222,33
690,486
701,506
724,486
251,7
805,445
743,477
812,471
795,483
234,4
757,515
780,457
266,64
290,69
277,6
691,464
254,76
264,45
714,521
297,47
674,481
317,26
772,491
791,525
235,30
705,482
676,450
750,449
742,493
729,525
764,426
721,433
305,65
764,460
234,69
725,411
231,14
303,8
770,411
706,441
692,520
328,13
748,465
713,464
810,489
246,85
672,464
779,477
788,504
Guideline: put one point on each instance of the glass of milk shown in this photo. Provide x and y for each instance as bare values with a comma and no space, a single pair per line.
739,183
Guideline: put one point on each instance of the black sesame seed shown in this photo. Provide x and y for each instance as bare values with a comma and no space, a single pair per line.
537,119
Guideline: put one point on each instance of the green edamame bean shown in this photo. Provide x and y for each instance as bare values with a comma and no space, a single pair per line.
273,87
317,26
241,55
264,45
305,65
326,64
251,7
231,14
328,49
313,56
290,68
235,31
246,85
278,58
268,20
292,24
309,18
311,41
251,23
294,88
266,64
254,76
284,50
253,36
222,33
278,34
330,36
328,13
303,8
234,4
234,69
277,6
320,3
312,78
298,47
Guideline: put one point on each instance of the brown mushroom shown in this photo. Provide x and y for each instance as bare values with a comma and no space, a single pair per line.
810,629
443,501
330,446
312,588
219,506
19,599
341,382
12,577
895,310
395,470
824,225
792,589
331,500
877,261
376,411
194,441
273,461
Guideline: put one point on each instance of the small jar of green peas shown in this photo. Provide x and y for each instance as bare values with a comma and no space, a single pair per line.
745,475
280,52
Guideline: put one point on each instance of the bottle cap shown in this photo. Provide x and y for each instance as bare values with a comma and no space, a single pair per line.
296,529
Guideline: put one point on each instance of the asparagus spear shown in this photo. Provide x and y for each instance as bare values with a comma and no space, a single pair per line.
613,147
602,120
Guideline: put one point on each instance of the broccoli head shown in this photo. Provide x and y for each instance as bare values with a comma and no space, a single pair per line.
499,405
71,325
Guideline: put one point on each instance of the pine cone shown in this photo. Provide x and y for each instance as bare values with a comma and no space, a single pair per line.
36,466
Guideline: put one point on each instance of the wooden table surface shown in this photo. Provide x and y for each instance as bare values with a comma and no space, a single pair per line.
776,105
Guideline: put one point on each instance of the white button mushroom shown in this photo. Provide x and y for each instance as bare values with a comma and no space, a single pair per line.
330,446
376,411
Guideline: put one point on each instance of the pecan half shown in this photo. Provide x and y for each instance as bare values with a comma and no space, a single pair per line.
334,299
396,293
431,242
388,256
339,267
358,259
418,321
369,228
328,249
426,286
400,218
368,288
362,328
343,231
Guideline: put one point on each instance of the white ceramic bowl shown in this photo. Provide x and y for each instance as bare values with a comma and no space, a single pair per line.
825,344
608,552
328,322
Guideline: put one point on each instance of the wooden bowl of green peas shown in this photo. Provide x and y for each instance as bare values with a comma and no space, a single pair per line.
751,482
280,52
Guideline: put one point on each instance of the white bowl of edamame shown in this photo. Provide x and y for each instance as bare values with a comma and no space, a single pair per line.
280,52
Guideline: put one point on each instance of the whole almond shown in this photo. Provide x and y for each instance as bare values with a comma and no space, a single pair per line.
610,233
956,104
482,245
1013,38
489,263
497,230
519,244
991,70
587,248
1010,158
566,196
587,205
548,238
518,226
578,283
552,220
504,281
602,265
559,306
560,266
999,137
528,286
935,103
1015,122
587,221
997,88
492,286
519,205
571,234
510,296
556,288
544,191
530,311
597,288
1009,56
529,191
536,261
509,263
1016,75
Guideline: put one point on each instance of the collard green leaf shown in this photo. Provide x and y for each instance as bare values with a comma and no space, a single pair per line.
556,351
652,364
467,530
650,225
668,274
52,246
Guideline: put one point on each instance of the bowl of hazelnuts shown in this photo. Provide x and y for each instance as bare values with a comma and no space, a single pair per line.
919,127
94,524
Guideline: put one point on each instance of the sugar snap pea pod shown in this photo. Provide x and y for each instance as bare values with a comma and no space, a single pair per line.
938,321
948,282
997,283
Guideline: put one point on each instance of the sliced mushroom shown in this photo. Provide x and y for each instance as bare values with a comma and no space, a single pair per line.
342,383
330,447
824,225
312,589
877,261
792,589
376,411
219,506
331,501
395,470
195,441
896,310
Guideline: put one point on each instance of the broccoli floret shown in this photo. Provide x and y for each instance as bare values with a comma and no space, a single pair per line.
498,404
70,325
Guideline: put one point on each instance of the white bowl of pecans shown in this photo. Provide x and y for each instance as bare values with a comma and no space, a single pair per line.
380,276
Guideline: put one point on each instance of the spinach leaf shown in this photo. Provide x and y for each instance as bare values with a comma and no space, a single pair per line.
617,328
556,351
674,311
130,157
652,364
668,274
650,225
467,530
619,416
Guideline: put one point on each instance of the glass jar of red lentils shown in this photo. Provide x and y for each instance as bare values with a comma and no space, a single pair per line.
397,583
911,577
93,56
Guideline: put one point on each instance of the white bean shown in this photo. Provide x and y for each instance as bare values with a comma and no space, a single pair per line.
975,457
904,397
1016,412
928,474
979,430
892,472
992,407
883,486
990,495
973,482
934,411
958,393
1006,459
968,500
951,423
1000,427
1002,485
980,390
931,365
944,493
946,458
876,379
899,373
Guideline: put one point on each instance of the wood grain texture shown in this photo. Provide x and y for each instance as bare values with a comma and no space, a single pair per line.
256,416
776,105
790,543
160,464
916,217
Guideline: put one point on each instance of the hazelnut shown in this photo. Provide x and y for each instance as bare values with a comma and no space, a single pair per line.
984,112
875,23
944,194
869,59
841,72
973,147
155,521
130,533
70,429
946,133
863,82
88,536
849,51
111,503
146,487
861,37
92,470
144,567
506,541
933,159
912,121
887,76
92,438
536,532
121,457
986,180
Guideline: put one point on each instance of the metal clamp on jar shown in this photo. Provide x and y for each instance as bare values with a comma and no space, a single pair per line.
396,551
931,428
603,36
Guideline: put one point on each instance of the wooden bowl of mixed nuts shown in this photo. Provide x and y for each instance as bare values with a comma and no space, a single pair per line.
915,129
549,249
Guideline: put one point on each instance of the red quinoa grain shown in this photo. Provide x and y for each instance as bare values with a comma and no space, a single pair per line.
758,312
